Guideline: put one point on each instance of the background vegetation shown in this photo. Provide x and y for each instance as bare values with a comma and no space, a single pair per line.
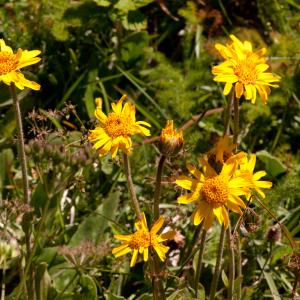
160,53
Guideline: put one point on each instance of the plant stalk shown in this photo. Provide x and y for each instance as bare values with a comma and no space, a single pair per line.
21,145
218,266
157,284
158,187
23,161
236,118
133,197
228,114
199,262
231,265
239,269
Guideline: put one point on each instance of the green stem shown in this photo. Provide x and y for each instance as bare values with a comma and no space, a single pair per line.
238,268
158,187
33,250
236,120
199,262
157,284
218,266
23,161
228,114
21,146
133,197
231,265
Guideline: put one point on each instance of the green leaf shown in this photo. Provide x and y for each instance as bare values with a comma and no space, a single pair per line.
273,165
183,294
270,280
94,226
224,278
6,160
111,296
103,3
127,5
88,98
89,288
42,282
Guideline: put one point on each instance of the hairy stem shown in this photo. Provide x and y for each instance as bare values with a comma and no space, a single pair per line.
157,283
199,262
238,268
228,115
133,197
23,161
158,187
236,120
231,265
218,266
21,145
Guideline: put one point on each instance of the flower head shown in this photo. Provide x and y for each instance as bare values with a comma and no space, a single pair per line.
213,193
171,141
244,70
11,63
143,239
116,128
247,168
223,149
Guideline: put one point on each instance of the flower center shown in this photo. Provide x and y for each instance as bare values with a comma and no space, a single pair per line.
8,62
140,238
215,191
245,70
116,125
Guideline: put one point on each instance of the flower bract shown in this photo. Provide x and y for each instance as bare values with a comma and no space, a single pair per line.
171,141
142,240
115,129
11,63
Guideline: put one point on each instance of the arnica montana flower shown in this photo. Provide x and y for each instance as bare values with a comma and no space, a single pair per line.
116,128
142,240
213,193
10,65
171,141
244,70
223,149
247,168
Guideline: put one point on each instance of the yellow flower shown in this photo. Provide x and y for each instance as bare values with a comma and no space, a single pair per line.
142,240
115,129
214,193
171,141
223,149
247,167
245,70
10,65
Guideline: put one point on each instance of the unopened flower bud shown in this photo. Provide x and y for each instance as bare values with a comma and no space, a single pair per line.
274,234
171,141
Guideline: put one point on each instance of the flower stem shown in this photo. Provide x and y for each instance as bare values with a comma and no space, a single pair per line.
199,262
133,197
228,114
22,157
157,284
238,268
236,120
158,187
231,265
21,147
218,266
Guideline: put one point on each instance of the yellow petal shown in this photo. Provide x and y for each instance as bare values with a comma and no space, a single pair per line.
157,225
227,88
134,258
